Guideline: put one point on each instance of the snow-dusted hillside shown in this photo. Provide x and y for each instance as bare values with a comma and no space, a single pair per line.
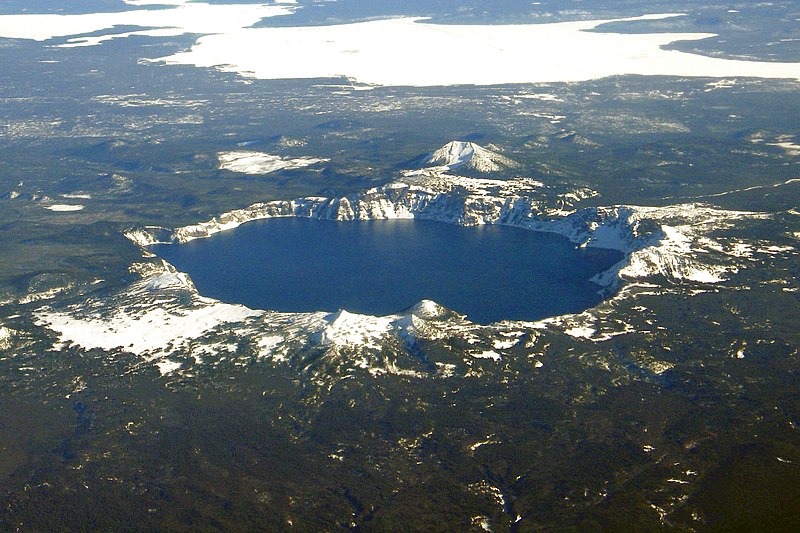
463,154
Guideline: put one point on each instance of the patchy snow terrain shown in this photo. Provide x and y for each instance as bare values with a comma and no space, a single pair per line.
150,321
163,316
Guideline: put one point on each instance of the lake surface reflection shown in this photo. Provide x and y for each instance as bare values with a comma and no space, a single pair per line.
489,273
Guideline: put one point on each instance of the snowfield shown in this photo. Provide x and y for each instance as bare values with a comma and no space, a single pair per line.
437,55
368,52
182,18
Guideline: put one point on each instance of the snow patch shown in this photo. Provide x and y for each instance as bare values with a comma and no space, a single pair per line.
65,208
489,440
267,346
501,344
719,84
791,149
545,97
487,354
580,332
167,367
5,338
44,295
261,163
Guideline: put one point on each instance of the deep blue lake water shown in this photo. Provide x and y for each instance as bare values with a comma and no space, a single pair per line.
381,267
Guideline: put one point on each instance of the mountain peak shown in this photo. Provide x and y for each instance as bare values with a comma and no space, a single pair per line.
470,155
430,310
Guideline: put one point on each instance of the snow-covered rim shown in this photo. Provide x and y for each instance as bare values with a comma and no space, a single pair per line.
674,242
671,242
617,227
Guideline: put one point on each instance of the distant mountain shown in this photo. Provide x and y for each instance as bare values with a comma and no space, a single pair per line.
464,154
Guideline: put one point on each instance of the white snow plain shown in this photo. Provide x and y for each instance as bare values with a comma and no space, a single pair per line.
399,51
412,52
182,18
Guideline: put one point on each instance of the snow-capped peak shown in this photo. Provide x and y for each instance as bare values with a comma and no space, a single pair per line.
468,154
345,328
430,310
